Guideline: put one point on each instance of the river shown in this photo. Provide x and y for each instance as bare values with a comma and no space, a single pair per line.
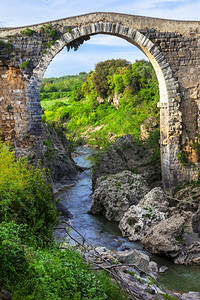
100,232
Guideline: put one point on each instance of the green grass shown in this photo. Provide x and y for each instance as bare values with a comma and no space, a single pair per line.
48,103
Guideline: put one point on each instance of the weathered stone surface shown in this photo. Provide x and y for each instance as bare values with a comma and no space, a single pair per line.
126,154
165,237
147,126
140,276
139,219
153,269
196,222
139,259
65,213
57,158
115,100
189,198
5,295
190,296
114,194
190,254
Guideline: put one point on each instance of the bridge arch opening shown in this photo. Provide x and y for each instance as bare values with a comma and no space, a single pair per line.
167,84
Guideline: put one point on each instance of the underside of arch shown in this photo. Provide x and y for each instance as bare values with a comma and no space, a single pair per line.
170,115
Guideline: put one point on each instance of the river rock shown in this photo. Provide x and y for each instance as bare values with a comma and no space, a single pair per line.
153,267
65,213
165,237
155,199
190,296
127,154
189,198
189,255
139,259
163,269
138,220
5,295
114,194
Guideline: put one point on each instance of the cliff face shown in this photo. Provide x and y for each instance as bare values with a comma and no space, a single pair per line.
57,157
126,154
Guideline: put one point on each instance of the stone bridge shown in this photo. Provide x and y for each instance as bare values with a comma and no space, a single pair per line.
171,46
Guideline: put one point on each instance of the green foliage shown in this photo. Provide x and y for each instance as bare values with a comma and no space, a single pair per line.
33,273
179,238
103,72
25,197
46,96
48,103
57,114
25,65
50,35
27,32
61,86
183,157
47,143
49,31
32,265
5,47
102,124
9,107
152,142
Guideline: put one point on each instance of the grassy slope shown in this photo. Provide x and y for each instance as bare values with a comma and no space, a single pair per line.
81,116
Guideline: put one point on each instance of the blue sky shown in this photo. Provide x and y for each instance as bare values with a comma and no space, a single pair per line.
15,13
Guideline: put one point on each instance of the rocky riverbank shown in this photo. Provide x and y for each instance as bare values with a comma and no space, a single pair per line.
58,159
164,225
133,194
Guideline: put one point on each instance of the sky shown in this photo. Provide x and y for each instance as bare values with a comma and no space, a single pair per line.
15,13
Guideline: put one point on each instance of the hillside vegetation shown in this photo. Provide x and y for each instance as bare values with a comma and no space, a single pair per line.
113,100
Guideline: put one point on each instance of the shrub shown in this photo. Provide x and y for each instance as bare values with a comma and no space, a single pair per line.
27,31
25,196
25,65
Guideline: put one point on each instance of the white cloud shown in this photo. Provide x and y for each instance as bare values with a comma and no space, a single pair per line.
108,40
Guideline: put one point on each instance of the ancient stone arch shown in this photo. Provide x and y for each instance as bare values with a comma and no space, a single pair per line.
172,48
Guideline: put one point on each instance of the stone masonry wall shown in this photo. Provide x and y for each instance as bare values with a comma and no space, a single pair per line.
14,113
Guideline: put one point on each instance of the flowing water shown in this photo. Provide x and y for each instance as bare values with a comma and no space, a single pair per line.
100,232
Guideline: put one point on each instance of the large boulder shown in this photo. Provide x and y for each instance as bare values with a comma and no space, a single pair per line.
114,194
138,220
128,154
166,236
189,255
139,259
